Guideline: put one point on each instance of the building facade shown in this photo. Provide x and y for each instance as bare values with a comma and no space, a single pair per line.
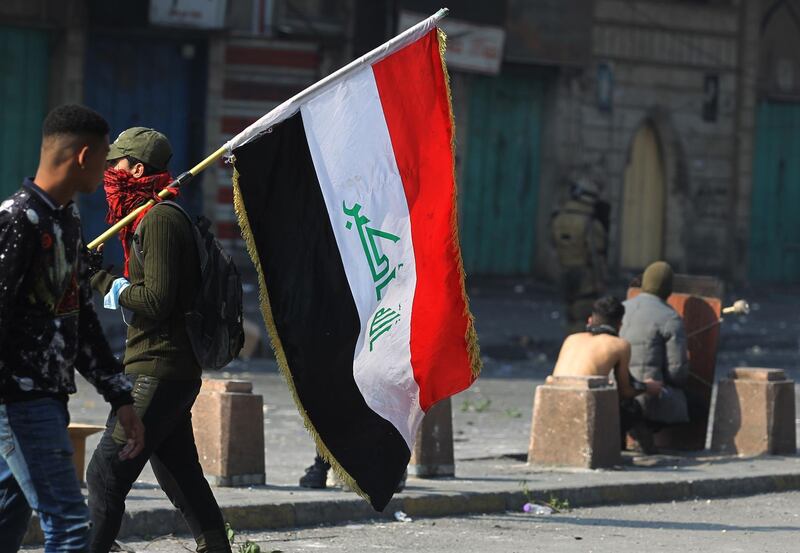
198,70
774,190
685,112
654,100
664,120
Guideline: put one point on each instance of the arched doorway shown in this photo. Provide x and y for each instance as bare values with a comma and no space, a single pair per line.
643,200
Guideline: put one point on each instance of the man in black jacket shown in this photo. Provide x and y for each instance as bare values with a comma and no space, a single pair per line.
48,328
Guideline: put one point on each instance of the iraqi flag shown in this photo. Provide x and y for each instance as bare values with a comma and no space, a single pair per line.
346,198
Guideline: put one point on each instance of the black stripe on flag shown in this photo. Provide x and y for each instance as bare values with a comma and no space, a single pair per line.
312,306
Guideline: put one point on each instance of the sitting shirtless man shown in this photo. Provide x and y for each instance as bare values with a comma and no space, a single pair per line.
598,351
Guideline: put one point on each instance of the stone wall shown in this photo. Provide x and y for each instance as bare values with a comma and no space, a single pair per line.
660,54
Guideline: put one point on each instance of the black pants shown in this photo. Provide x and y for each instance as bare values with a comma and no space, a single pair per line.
165,409
630,413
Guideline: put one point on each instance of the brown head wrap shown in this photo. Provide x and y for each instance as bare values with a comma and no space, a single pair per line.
657,279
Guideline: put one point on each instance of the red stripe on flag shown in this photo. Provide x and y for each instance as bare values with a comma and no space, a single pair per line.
417,110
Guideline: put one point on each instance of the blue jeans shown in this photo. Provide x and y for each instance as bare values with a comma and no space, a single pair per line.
36,472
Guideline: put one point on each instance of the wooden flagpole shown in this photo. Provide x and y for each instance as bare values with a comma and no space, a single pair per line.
184,178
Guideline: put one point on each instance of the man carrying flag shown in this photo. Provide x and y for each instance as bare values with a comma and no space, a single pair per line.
162,273
346,197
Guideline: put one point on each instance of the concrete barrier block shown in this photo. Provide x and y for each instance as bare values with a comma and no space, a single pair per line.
755,413
228,422
78,432
575,423
433,449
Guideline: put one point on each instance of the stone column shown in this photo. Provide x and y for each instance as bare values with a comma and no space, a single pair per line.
755,413
228,422
575,423
433,449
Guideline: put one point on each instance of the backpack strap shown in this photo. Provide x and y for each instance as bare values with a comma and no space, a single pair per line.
137,246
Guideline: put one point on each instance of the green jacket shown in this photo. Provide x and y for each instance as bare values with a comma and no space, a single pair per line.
163,287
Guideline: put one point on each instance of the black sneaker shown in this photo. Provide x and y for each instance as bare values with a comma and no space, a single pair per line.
316,476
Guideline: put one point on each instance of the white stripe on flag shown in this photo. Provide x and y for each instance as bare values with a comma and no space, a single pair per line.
353,158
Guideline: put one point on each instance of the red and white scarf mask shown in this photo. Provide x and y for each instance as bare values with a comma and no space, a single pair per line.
124,193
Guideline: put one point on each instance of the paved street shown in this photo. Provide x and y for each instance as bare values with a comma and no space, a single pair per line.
552,152
520,331
764,524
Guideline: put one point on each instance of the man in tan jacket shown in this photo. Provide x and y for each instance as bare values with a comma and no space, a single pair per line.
580,238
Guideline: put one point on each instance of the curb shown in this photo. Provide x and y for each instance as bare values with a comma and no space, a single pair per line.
312,513
163,521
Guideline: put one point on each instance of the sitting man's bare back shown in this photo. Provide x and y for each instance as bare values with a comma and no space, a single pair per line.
587,354
599,351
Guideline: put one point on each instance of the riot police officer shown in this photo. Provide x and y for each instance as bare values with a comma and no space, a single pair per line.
579,231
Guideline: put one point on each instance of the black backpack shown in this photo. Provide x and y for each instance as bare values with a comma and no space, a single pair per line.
214,323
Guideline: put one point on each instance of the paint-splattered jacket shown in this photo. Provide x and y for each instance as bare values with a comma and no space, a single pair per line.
48,326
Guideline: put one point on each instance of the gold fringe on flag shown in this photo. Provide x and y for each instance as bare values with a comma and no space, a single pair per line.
471,336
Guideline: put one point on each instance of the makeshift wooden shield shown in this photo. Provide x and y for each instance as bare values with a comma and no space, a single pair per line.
701,316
